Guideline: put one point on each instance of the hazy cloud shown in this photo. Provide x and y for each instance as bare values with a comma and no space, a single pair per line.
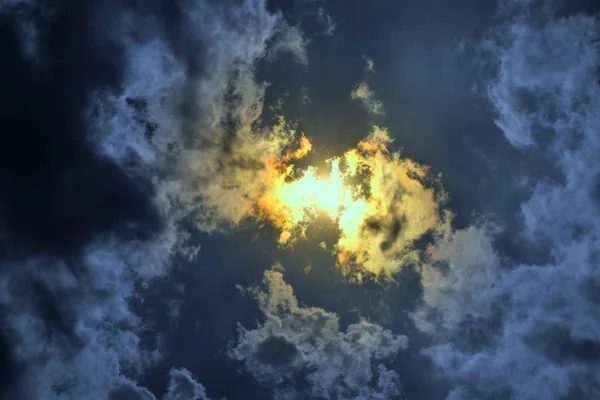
25,13
325,19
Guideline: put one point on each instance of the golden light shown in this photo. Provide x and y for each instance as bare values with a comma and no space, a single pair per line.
375,198
311,192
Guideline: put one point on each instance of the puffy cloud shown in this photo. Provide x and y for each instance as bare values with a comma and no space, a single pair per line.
300,351
235,166
381,203
528,331
365,94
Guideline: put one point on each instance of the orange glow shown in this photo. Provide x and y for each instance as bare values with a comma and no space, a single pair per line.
375,197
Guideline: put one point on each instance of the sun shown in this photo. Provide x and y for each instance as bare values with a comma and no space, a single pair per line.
312,193
375,198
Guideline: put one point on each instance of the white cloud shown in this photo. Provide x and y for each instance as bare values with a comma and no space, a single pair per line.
301,350
529,331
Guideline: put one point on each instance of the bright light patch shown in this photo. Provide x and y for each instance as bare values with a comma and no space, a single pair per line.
377,200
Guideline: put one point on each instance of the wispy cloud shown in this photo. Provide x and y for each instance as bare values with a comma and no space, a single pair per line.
367,97
325,19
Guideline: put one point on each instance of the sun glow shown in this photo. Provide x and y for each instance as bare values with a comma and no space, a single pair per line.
376,199
312,193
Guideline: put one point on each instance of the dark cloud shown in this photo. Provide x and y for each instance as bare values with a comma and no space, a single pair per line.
276,351
94,114
57,192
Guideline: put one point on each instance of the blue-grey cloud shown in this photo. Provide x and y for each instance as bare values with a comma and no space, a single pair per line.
301,351
92,191
507,330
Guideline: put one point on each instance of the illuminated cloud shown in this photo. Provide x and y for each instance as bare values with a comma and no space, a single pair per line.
300,351
381,216
223,166
508,330
364,93
380,202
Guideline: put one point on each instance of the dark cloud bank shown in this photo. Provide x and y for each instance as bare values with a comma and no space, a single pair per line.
91,118
101,102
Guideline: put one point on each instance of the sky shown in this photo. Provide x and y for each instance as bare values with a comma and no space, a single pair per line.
310,199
